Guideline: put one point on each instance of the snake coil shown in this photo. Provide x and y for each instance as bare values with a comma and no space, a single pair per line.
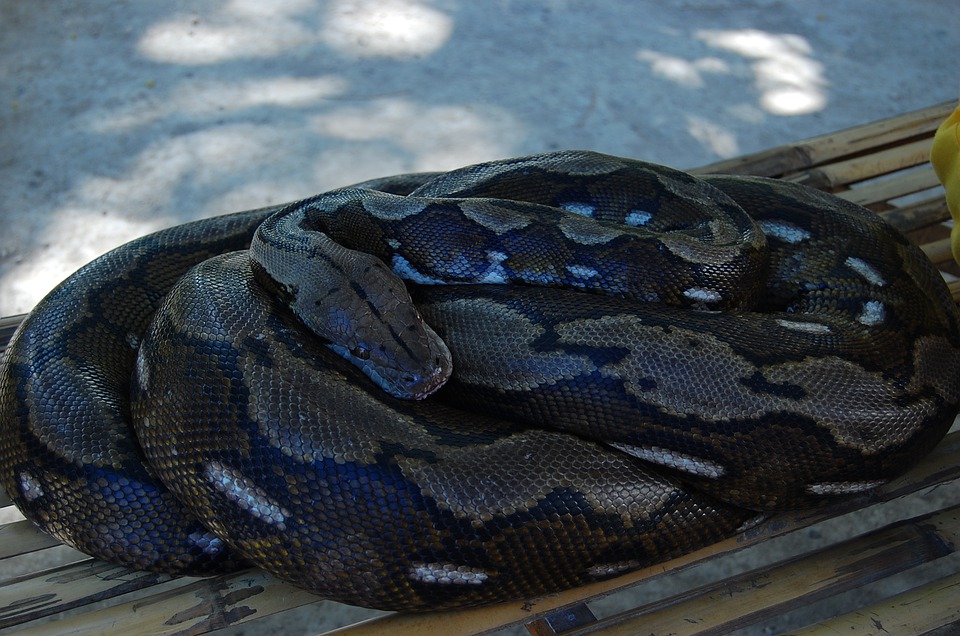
590,364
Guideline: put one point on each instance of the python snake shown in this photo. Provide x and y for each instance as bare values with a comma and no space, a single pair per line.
640,362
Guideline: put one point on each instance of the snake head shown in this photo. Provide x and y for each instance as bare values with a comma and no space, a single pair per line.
359,307
373,323
411,370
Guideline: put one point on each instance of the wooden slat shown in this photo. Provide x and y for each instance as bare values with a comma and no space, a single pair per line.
791,158
924,610
60,589
21,537
836,176
954,287
8,324
881,192
562,622
938,251
773,590
197,608
917,215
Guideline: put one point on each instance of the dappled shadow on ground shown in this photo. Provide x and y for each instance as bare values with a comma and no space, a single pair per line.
121,118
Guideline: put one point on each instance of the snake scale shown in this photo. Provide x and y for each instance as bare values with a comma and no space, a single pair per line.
623,363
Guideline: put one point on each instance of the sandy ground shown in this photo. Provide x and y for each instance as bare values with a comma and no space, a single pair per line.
118,118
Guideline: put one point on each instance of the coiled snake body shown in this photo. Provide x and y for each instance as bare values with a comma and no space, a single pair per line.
638,366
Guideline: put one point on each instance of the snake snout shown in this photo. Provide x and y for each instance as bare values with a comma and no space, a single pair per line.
430,377
412,371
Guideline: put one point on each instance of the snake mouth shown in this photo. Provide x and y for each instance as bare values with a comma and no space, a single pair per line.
410,386
422,386
405,383
432,383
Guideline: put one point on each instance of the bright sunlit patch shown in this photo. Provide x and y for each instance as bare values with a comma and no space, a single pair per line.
195,42
449,136
680,71
791,101
386,28
719,139
789,79
206,97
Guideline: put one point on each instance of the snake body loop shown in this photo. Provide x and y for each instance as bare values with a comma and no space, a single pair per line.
640,360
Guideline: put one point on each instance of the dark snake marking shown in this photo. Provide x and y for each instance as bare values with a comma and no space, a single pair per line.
833,372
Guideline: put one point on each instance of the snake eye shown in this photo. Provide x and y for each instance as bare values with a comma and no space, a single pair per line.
361,351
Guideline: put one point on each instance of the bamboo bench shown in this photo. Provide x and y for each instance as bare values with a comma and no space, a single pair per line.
884,563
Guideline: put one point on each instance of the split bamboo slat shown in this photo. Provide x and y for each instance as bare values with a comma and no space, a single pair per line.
881,165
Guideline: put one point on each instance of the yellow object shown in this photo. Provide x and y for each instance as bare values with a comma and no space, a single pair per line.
945,157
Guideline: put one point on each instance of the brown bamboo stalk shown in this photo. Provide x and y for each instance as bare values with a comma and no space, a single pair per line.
897,185
938,251
802,155
836,176
919,214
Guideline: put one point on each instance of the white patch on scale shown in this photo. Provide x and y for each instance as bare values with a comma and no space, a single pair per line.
30,487
581,271
447,573
806,327
784,230
583,209
245,494
638,218
673,459
842,487
873,314
865,269
704,295
405,270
